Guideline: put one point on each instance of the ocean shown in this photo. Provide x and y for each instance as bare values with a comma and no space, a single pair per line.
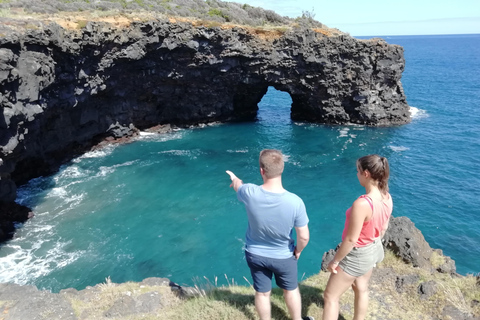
162,207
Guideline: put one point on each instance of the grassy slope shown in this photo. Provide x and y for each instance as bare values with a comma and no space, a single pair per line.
237,302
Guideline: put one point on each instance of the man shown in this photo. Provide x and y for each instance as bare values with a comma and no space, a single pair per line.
269,246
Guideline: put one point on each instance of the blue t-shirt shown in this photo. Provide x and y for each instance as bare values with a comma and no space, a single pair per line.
271,219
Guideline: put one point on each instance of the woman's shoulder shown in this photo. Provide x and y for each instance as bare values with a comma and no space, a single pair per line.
363,202
388,198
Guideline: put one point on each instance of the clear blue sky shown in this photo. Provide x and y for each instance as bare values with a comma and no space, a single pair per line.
384,17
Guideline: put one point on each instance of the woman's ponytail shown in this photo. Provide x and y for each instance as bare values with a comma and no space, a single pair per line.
379,169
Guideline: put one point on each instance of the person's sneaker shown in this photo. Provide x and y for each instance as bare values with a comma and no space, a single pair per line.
308,318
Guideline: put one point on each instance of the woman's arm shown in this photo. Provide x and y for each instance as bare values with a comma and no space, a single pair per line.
360,211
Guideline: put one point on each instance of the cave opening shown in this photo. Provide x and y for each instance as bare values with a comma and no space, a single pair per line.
275,107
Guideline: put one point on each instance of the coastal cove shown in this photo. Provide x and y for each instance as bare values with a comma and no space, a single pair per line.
120,213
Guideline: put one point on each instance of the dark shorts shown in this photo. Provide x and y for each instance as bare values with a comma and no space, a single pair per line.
262,269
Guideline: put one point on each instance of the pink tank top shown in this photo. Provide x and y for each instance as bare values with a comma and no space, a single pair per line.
372,229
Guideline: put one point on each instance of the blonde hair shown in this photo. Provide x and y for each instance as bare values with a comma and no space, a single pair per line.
271,161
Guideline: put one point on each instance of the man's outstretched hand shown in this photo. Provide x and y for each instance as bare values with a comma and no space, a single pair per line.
236,182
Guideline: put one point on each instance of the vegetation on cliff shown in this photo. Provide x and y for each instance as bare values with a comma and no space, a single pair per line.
213,11
397,291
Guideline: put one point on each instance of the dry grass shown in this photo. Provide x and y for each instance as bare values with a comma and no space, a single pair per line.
236,302
437,260
78,20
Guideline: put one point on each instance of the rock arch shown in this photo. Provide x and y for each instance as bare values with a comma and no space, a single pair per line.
62,91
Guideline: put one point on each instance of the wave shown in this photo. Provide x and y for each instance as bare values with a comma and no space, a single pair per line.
22,266
145,133
100,153
416,113
160,137
104,171
72,172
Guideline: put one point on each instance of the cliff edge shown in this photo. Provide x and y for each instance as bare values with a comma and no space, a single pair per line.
413,282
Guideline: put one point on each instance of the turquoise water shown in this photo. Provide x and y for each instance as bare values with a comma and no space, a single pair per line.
162,207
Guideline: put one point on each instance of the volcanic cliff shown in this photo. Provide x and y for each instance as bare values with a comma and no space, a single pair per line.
62,91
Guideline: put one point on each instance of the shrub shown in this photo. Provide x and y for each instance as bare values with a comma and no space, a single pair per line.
219,13
81,24
213,10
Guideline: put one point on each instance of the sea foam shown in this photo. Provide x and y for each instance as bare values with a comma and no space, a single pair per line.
23,265
398,148
416,113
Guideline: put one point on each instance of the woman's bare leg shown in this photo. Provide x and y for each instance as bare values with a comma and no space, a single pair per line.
360,288
337,284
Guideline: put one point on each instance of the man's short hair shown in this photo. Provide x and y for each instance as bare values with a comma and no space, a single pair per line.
271,161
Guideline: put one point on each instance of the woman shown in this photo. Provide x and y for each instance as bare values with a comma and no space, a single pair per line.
361,247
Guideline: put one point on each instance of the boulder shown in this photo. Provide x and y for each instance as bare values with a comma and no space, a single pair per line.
408,242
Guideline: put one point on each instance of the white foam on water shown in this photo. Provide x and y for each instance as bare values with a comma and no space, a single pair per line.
104,171
416,113
160,137
62,193
71,171
343,132
345,145
398,148
288,158
238,151
100,153
22,265
192,154
59,192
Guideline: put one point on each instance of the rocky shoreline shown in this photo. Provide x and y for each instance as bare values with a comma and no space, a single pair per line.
149,298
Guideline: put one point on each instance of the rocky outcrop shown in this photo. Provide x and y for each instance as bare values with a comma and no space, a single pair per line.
62,91
408,242
27,302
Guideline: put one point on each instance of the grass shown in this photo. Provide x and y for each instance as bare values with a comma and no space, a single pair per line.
236,302
81,24
120,19
437,260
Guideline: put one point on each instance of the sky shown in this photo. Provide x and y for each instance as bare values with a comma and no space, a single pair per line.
384,17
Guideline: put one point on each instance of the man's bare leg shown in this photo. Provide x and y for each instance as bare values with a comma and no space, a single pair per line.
294,303
262,304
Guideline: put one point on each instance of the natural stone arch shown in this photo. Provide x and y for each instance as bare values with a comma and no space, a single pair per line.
62,91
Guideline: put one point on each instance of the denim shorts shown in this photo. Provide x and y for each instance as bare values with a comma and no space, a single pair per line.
262,269
360,260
